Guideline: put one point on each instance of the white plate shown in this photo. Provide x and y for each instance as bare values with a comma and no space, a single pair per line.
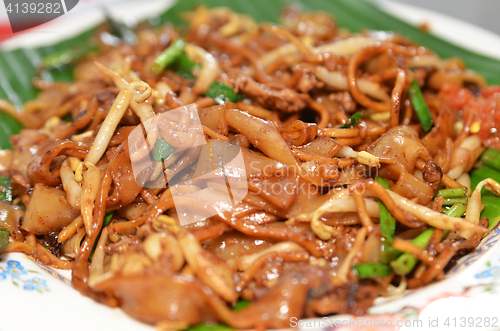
32,299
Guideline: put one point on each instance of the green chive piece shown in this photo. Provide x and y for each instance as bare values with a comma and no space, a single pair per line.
222,93
6,189
168,56
387,252
452,201
161,150
452,193
352,121
184,66
456,210
372,270
210,327
240,305
419,105
67,56
387,228
105,222
107,219
404,264
387,221
4,238
491,158
68,118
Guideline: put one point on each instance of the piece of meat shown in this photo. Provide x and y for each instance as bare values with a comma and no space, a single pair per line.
284,100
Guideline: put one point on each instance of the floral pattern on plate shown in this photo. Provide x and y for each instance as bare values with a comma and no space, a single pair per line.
19,277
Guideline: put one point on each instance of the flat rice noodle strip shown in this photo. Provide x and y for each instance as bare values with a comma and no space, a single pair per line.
353,174
182,301
274,232
39,168
275,309
308,199
440,147
262,135
189,158
124,183
407,185
324,146
81,120
260,218
120,135
442,131
212,117
234,244
399,148
211,232
262,203
280,191
258,165
154,299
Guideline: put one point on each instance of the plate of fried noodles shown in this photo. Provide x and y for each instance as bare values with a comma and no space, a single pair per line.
233,173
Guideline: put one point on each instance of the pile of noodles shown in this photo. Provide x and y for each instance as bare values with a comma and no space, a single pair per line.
290,253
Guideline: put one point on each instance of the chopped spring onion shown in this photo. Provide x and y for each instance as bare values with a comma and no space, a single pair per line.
387,228
387,252
222,93
404,264
452,193
161,150
168,56
68,118
419,105
6,189
184,66
387,221
4,238
67,56
240,305
491,158
372,270
107,219
352,121
457,210
452,201
210,327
